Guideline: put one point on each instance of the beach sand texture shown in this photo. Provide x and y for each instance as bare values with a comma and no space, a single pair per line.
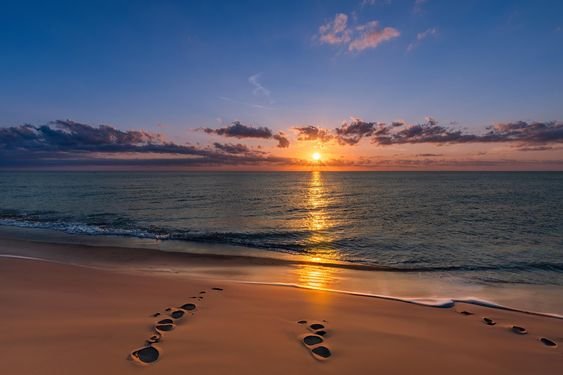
64,319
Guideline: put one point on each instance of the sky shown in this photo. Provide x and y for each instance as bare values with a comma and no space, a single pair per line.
244,85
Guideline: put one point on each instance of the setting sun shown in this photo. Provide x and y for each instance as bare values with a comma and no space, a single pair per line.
316,156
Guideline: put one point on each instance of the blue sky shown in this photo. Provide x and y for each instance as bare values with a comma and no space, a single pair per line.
173,66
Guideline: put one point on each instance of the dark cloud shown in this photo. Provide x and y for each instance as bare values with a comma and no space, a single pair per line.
240,131
73,136
237,149
429,132
350,133
283,142
525,133
313,133
72,143
68,143
521,131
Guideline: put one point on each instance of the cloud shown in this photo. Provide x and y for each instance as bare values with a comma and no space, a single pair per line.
370,36
432,32
418,4
73,144
240,131
398,132
313,133
357,39
231,148
69,143
336,31
374,2
525,133
74,136
259,89
536,148
283,142
350,133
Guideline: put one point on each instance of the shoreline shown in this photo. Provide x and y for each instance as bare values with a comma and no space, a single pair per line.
81,312
243,268
427,302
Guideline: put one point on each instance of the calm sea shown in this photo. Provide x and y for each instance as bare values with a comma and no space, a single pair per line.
484,227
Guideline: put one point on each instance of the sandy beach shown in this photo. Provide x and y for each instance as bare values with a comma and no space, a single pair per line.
366,187
68,319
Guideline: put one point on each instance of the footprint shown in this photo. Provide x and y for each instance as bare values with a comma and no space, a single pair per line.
466,313
165,325
155,314
519,330
321,352
316,326
177,314
548,342
311,340
188,306
219,289
147,354
202,292
489,321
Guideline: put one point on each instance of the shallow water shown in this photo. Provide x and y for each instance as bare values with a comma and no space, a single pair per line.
488,228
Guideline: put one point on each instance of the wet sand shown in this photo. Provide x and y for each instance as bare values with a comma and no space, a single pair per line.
67,319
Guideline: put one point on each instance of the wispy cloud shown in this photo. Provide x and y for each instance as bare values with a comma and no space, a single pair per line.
418,5
258,88
336,31
374,2
431,32
355,38
371,35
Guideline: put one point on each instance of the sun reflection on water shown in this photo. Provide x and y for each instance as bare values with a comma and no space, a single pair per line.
318,223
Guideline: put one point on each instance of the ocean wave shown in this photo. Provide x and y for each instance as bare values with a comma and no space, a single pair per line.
274,241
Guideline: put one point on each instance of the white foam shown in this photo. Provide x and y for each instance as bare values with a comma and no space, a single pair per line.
439,302
25,257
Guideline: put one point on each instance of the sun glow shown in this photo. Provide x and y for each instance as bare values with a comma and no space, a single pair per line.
316,156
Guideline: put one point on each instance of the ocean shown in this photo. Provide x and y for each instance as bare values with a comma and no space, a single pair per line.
483,227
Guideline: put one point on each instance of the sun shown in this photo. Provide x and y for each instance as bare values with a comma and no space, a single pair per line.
316,156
